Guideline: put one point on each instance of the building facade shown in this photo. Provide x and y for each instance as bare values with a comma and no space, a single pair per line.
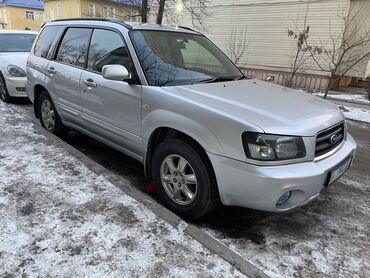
269,51
21,15
57,9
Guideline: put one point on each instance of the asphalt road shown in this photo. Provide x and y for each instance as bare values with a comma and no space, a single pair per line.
328,237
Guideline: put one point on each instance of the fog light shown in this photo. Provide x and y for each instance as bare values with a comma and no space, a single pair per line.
21,89
284,198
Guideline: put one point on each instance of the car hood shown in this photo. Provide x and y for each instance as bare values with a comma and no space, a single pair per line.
273,108
14,58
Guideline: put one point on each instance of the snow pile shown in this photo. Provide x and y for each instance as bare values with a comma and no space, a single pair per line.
360,98
357,114
351,113
59,219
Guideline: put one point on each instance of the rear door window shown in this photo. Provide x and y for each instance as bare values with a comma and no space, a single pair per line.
46,39
73,47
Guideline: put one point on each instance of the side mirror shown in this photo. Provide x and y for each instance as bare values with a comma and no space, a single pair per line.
115,72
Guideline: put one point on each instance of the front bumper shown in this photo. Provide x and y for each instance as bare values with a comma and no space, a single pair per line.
260,187
16,86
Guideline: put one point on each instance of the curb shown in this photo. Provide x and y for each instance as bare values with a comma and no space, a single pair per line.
358,121
215,246
347,101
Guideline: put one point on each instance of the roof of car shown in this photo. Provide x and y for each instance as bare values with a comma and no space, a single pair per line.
128,25
17,32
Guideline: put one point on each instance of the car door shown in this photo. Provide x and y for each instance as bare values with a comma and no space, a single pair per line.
111,109
64,73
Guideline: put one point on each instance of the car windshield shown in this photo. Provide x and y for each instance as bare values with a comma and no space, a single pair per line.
175,58
16,42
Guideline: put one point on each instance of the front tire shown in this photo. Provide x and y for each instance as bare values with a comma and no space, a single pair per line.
184,179
49,117
4,95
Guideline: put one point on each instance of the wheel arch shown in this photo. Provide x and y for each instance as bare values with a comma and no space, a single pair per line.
163,133
38,89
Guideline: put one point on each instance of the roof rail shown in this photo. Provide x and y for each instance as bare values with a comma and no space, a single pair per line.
128,26
187,28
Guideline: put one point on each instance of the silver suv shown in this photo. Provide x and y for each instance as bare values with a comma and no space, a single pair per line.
171,99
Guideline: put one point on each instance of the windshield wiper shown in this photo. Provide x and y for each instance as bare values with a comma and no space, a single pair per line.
218,79
243,77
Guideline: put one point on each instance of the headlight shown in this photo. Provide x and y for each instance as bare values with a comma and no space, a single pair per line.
16,71
269,147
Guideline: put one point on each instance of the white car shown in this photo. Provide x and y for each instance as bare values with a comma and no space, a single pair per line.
14,49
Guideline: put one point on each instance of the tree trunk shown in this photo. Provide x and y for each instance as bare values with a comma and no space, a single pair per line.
160,11
144,11
290,80
368,87
331,79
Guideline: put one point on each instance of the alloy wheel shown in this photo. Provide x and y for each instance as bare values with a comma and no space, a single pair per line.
48,115
178,179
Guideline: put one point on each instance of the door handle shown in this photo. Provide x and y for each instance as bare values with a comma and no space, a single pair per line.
90,83
52,70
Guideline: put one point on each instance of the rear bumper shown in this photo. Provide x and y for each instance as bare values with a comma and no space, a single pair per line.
16,86
260,187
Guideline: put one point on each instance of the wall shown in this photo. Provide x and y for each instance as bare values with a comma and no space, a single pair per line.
15,18
122,12
80,8
69,8
359,16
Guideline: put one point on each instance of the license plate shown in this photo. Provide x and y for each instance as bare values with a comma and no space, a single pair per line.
339,170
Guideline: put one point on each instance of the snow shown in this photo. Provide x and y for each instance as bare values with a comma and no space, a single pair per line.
359,98
357,114
349,111
326,238
59,219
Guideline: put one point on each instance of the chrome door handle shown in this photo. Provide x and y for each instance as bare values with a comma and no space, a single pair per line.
90,83
52,70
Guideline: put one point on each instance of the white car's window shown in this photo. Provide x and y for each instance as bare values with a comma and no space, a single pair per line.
174,58
16,42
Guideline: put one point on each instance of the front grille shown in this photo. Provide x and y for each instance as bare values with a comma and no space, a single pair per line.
329,139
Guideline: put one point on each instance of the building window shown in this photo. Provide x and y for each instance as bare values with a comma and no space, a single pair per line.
110,12
30,15
39,16
59,10
92,10
51,14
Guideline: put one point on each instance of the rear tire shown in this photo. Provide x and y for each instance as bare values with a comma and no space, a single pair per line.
4,95
49,117
184,179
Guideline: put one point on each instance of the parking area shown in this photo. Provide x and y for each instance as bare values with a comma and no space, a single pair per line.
328,237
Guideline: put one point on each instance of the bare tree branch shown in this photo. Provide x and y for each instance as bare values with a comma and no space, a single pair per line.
301,54
345,52
237,45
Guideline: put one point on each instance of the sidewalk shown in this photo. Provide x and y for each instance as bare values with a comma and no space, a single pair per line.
59,219
349,95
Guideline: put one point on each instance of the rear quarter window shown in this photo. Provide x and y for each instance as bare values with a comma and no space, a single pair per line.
46,39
